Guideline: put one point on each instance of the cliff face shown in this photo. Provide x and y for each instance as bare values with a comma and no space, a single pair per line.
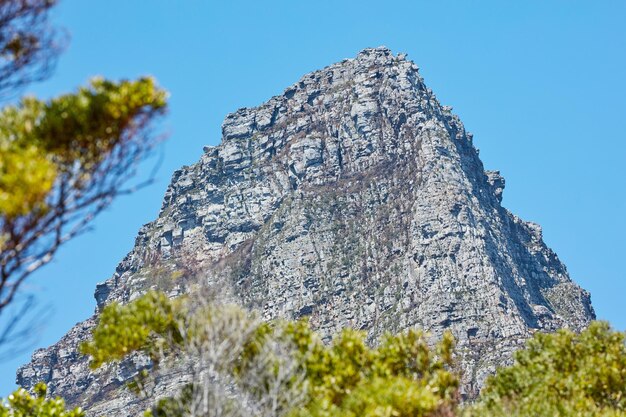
354,198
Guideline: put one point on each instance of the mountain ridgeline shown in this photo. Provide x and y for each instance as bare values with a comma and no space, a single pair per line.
354,198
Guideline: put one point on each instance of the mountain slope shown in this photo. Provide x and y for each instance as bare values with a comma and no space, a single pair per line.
354,198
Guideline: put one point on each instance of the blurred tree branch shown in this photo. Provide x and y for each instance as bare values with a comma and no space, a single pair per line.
29,46
22,324
63,160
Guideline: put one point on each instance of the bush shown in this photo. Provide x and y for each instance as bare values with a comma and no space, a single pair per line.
242,366
561,374
23,404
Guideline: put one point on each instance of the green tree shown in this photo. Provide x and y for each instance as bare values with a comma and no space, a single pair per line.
142,325
241,366
63,160
403,376
561,374
23,404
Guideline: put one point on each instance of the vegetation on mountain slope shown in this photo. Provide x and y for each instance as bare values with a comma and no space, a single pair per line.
239,365
283,368
23,404
561,374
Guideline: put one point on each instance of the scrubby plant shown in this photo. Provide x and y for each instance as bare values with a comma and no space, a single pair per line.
241,366
401,377
142,325
23,404
61,162
561,374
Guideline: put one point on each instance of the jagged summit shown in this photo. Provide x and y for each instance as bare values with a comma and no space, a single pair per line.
354,198
367,57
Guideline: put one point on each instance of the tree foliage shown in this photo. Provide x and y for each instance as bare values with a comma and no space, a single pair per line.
23,404
62,161
243,366
282,368
402,376
561,374
234,368
134,327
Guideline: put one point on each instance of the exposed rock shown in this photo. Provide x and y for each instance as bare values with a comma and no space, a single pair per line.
356,198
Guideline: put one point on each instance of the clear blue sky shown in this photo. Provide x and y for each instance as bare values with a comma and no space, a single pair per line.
541,84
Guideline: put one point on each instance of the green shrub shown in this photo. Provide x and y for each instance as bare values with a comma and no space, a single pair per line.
280,368
23,404
561,374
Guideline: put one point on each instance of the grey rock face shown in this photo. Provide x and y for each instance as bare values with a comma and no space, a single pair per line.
357,199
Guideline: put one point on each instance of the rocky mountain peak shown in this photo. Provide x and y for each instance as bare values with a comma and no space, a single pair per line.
353,198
